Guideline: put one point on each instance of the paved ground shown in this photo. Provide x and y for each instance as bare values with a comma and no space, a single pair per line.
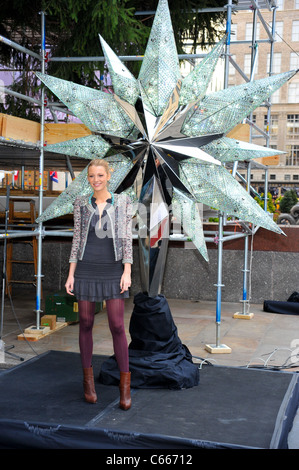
268,340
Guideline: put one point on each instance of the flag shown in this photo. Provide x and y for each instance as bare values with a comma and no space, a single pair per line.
54,176
16,174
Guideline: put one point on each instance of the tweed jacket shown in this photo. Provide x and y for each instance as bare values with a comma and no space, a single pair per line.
120,215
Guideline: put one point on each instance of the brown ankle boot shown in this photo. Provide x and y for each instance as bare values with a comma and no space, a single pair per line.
125,392
88,385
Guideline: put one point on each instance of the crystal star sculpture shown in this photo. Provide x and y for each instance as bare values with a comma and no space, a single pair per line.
166,142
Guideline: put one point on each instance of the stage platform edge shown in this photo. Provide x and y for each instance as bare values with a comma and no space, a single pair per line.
42,407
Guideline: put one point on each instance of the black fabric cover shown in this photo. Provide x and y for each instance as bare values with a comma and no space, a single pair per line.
289,308
158,359
294,297
36,435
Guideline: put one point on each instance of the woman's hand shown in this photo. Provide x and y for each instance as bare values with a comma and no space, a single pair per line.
69,285
125,281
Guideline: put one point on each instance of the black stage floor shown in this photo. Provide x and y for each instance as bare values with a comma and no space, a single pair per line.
42,407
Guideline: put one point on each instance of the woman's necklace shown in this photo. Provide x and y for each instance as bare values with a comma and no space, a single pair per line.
102,204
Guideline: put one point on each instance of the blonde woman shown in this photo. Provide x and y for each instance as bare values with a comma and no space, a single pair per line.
100,269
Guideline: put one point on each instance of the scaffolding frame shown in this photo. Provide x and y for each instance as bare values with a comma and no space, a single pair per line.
40,231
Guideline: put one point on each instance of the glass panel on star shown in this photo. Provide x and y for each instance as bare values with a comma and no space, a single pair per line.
88,147
124,83
96,109
195,84
106,116
221,111
63,204
160,69
185,211
215,187
119,167
228,150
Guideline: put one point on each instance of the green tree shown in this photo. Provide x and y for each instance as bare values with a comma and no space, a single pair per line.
72,29
270,204
189,24
288,201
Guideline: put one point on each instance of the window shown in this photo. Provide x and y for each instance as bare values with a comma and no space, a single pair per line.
231,68
272,177
293,92
275,97
276,62
249,29
287,177
234,31
295,31
253,129
273,128
278,30
294,61
247,65
297,4
296,177
279,4
292,158
293,126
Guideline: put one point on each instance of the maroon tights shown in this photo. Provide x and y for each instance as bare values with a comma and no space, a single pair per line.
115,312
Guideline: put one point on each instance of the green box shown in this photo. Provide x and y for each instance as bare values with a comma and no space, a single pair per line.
65,306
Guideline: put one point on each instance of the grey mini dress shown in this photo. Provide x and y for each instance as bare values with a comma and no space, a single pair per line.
97,275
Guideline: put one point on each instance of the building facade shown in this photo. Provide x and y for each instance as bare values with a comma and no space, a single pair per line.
251,50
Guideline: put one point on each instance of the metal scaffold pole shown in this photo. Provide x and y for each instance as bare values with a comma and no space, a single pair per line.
245,315
218,347
39,275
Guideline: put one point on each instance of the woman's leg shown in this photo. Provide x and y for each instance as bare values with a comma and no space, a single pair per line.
86,320
115,312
